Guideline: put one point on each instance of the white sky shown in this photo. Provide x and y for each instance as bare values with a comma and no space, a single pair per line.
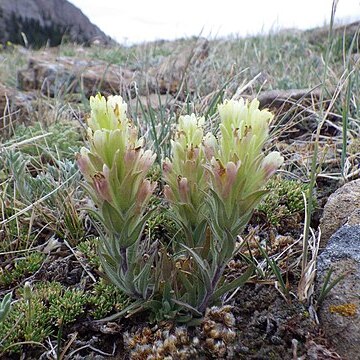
145,20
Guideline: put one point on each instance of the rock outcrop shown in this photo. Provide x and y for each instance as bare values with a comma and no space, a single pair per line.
55,76
45,22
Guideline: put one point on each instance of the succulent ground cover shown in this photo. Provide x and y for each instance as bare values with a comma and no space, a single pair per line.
49,242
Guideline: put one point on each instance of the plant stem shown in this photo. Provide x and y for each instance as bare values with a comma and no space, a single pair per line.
28,320
218,272
124,264
345,120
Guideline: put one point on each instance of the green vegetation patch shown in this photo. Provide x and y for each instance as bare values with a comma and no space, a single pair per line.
21,267
106,298
52,306
285,200
62,139
89,248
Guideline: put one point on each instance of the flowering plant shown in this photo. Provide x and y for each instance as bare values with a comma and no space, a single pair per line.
220,180
213,183
115,168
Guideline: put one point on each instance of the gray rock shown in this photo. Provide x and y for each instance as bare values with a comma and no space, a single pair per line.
339,313
354,218
339,207
344,244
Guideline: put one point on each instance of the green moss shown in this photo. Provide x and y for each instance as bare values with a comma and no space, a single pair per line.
14,330
22,267
52,305
65,305
285,199
160,225
106,298
89,249
15,327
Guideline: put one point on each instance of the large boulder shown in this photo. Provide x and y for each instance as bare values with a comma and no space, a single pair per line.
63,75
46,21
340,208
339,313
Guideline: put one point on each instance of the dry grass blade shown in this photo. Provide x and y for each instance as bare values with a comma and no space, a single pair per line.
306,283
